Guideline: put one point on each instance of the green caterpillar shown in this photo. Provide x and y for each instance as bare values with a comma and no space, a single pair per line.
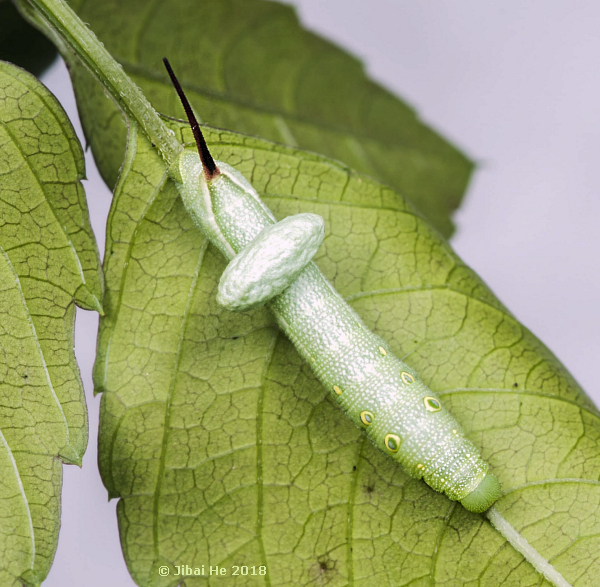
271,264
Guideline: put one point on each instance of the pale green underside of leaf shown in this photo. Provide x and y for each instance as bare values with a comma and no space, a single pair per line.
248,66
225,450
48,259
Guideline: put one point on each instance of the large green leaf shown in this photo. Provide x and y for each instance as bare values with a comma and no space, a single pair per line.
248,66
225,450
48,259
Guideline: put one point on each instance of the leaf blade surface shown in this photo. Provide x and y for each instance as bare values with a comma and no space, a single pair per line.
225,450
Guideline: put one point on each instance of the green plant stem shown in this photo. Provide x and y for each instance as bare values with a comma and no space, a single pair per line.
84,43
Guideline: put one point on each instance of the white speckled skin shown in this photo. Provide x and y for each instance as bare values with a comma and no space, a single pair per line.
271,262
356,365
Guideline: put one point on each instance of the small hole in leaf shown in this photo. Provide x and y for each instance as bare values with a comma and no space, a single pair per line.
326,565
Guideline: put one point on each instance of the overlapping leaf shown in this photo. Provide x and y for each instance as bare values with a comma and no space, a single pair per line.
224,449
48,259
248,66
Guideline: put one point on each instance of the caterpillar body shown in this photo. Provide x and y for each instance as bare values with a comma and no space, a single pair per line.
270,263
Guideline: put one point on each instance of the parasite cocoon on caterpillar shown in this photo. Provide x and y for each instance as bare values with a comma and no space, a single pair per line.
270,263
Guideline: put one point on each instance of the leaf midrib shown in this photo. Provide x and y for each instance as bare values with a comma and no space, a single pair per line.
46,200
24,496
38,348
259,453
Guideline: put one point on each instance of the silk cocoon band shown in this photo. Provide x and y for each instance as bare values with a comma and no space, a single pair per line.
271,262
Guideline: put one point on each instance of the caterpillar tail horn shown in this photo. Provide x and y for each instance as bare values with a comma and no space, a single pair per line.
208,163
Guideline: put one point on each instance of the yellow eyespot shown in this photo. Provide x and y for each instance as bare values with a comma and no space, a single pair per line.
392,442
382,351
366,418
407,378
337,390
432,404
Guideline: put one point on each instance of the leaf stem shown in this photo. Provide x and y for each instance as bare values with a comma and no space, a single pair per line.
84,43
520,544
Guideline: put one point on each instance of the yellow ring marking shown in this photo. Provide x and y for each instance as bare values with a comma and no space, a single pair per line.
392,442
432,404
407,378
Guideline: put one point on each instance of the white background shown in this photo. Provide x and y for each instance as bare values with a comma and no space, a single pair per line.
515,85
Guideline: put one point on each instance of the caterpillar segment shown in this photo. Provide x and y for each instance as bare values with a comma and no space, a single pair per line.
270,263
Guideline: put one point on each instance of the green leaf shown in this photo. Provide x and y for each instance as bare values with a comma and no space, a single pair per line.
21,43
225,450
48,259
248,66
